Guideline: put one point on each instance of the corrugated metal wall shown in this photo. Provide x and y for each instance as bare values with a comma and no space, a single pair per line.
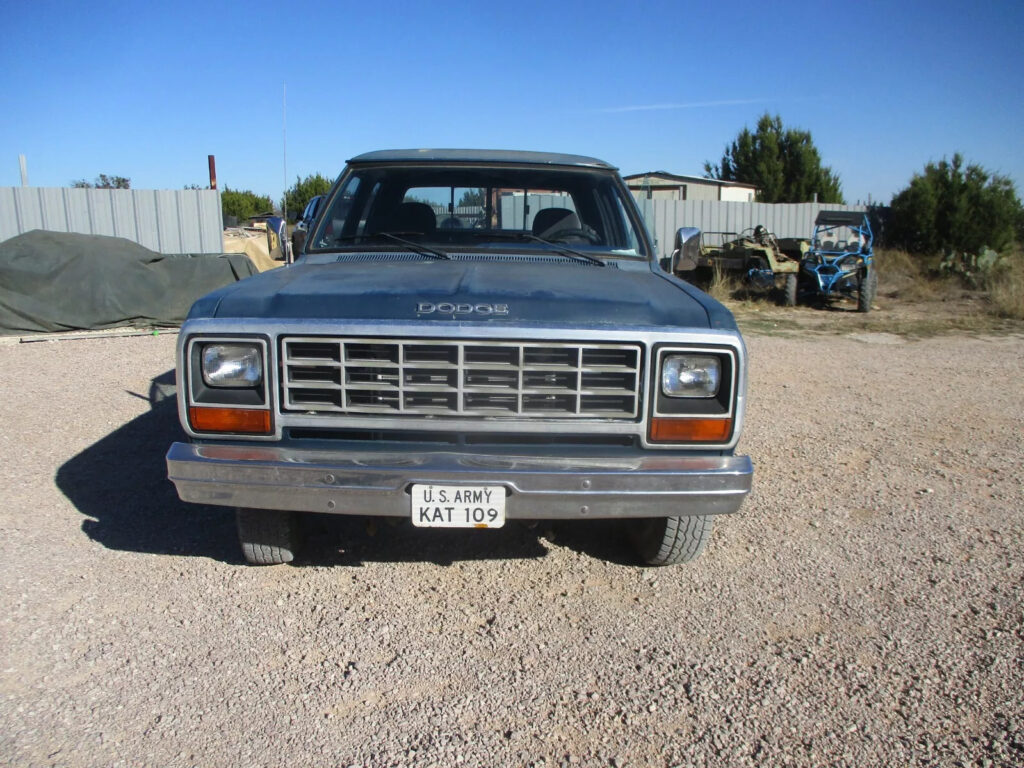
166,221
664,217
517,215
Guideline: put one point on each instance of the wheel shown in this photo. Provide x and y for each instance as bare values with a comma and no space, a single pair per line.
866,292
298,240
670,540
789,295
267,536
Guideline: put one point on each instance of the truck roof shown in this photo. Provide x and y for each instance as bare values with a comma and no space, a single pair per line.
510,156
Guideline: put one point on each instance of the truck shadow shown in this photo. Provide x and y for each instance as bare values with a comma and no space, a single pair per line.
120,485
353,540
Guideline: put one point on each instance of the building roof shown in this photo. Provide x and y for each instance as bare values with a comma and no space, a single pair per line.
687,179
509,156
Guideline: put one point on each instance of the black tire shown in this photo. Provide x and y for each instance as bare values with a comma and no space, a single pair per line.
670,540
267,536
868,289
298,240
789,290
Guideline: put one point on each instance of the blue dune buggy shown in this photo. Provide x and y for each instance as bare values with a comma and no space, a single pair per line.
840,262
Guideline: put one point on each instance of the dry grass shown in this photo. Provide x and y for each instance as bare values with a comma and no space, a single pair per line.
915,320
1006,287
906,277
723,286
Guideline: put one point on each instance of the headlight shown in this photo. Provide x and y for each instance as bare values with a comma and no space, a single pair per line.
690,375
232,365
849,265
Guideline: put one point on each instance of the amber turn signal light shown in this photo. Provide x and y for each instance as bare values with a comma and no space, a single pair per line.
244,420
690,430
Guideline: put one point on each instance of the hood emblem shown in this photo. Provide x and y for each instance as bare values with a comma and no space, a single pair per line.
449,308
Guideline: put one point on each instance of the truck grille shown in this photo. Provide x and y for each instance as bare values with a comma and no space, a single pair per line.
460,378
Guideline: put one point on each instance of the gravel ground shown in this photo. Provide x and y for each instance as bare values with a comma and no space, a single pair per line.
864,609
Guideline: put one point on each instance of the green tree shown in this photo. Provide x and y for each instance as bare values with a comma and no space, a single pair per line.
782,163
299,194
243,203
103,181
471,197
953,207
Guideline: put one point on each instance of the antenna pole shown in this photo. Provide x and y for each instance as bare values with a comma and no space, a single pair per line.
285,244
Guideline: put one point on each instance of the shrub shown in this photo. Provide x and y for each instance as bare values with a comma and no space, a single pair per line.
298,195
243,203
950,208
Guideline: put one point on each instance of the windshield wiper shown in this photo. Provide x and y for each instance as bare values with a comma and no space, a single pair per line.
422,250
560,248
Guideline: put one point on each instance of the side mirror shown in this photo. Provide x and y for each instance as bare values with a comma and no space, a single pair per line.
293,216
686,249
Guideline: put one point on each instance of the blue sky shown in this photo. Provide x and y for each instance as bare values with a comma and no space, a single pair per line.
148,91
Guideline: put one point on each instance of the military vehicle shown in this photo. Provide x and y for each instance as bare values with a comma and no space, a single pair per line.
755,257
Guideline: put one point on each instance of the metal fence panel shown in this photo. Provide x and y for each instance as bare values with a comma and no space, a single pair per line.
147,219
518,211
122,209
101,217
8,212
78,210
664,217
166,221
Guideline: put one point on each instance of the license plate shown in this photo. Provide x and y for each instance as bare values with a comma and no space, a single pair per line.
458,506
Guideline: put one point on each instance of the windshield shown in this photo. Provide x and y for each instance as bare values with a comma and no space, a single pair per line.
481,208
841,238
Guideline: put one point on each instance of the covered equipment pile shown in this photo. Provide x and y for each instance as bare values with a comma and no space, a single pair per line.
57,281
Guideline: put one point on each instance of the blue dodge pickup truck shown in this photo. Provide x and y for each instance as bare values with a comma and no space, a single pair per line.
467,337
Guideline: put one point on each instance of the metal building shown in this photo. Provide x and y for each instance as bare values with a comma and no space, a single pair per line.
662,185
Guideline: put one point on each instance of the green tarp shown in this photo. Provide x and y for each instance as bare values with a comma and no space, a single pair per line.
58,281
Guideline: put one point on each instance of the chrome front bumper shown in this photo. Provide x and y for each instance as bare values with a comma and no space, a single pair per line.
538,487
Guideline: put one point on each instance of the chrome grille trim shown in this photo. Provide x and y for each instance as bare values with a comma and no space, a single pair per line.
459,378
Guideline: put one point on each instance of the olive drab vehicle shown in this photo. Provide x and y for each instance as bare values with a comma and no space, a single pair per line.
755,257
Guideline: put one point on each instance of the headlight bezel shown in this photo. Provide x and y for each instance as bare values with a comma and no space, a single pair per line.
224,408
694,421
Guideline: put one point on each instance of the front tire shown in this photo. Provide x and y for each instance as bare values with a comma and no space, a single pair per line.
867,291
670,540
789,290
298,241
267,536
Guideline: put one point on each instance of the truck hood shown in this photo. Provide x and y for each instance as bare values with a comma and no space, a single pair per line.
488,291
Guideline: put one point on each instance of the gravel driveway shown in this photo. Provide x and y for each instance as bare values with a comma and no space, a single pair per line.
864,609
